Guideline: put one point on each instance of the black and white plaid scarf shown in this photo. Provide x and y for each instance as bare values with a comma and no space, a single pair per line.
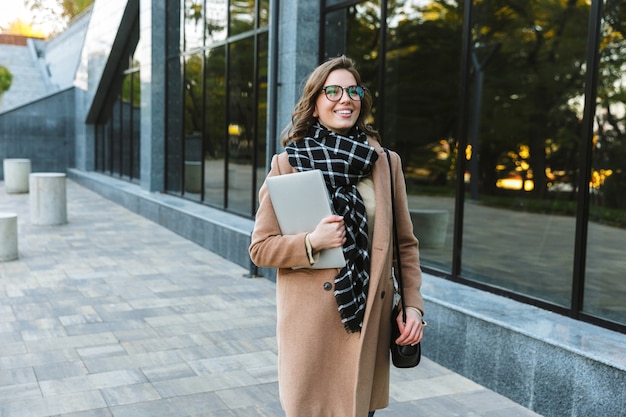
344,161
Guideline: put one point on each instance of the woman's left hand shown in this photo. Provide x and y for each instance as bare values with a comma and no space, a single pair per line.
412,331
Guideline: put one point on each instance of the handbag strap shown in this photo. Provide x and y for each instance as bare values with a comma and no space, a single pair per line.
395,237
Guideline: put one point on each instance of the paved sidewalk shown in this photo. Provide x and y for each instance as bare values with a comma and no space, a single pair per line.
114,315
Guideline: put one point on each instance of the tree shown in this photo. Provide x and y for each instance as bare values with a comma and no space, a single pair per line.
19,27
6,78
530,85
609,152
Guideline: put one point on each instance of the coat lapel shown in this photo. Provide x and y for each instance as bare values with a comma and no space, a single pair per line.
381,241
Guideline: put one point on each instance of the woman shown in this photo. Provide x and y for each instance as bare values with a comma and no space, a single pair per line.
333,325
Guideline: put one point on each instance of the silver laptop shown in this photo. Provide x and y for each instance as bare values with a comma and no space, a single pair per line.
300,201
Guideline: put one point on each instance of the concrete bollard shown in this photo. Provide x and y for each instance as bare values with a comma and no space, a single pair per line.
430,227
16,173
8,237
48,201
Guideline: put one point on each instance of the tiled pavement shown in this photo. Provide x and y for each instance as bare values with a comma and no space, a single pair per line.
113,315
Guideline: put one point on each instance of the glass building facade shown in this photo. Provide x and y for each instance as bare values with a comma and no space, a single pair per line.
509,118
217,94
117,135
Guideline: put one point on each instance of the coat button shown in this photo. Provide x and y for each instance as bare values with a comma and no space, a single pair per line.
328,286
382,294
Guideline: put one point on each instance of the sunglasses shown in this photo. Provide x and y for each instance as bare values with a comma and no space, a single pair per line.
335,92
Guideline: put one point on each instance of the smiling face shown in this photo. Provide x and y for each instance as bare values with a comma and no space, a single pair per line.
338,116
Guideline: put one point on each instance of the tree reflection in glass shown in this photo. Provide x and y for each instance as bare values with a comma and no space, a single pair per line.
605,288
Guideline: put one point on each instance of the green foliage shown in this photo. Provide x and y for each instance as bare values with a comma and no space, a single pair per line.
608,216
553,205
131,89
72,8
6,79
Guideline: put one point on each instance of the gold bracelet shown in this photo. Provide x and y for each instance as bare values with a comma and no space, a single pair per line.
417,310
424,323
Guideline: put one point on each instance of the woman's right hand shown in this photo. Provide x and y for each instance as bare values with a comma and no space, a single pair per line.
329,233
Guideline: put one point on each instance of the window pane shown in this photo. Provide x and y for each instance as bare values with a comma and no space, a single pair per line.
105,147
420,103
192,126
215,126
261,113
605,291
216,20
99,147
175,110
106,155
242,13
241,124
335,37
116,138
528,81
193,24
136,125
355,32
126,129
264,13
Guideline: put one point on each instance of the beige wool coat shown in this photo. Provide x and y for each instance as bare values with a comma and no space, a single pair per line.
323,370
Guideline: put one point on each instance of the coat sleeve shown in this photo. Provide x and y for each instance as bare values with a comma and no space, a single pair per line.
409,245
268,247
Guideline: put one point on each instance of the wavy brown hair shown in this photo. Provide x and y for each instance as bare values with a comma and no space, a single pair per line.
302,118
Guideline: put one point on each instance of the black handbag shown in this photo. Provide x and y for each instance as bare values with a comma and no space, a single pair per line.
401,356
